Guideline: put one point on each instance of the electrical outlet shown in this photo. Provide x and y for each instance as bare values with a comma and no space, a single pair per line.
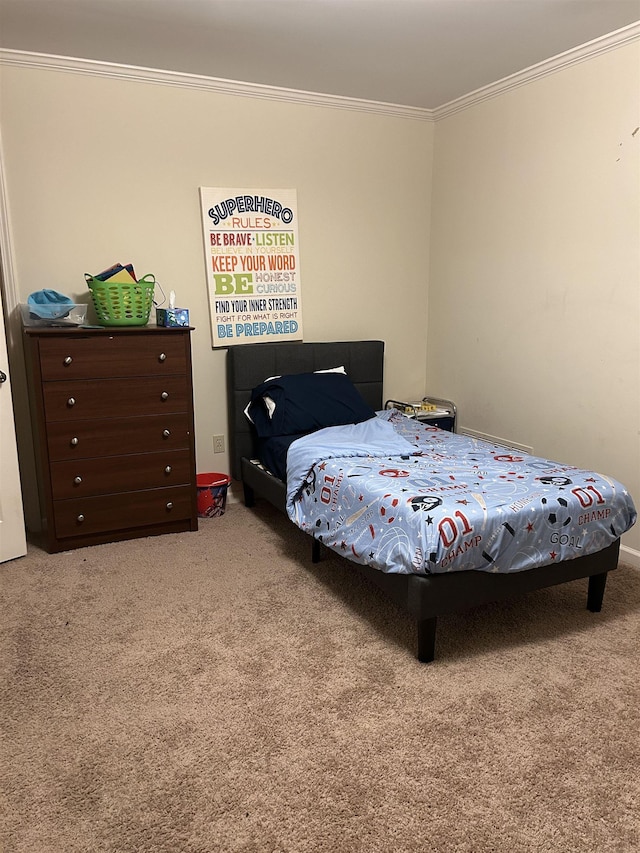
218,444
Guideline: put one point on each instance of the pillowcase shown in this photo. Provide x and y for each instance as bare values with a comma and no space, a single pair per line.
269,402
303,402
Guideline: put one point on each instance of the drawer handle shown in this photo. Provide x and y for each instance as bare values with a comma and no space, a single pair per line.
74,441
80,518
77,480
164,395
162,356
166,433
71,401
167,470
169,505
68,360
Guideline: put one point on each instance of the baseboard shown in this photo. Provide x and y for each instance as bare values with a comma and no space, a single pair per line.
630,556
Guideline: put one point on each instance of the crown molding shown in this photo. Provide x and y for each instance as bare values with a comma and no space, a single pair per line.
136,74
133,73
613,40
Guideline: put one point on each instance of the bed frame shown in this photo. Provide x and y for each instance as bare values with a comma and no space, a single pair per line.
424,596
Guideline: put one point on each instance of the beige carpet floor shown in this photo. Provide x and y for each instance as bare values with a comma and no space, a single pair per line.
216,691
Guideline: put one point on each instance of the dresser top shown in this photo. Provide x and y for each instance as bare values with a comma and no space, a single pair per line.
104,330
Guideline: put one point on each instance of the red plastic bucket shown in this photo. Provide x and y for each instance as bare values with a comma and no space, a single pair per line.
212,494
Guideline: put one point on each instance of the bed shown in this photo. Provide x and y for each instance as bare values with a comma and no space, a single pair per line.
436,585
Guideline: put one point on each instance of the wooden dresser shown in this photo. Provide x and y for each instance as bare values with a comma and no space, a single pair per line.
113,421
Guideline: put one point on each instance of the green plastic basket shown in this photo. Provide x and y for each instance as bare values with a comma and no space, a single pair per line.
120,304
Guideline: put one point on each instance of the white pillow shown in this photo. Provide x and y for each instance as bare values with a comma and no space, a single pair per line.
332,370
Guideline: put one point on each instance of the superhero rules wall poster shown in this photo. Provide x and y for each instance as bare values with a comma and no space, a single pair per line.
253,265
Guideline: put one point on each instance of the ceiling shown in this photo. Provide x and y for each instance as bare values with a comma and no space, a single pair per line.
419,53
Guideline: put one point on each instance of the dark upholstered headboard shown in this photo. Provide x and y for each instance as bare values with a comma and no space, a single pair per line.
250,364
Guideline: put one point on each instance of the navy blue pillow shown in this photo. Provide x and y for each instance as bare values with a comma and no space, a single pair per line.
305,402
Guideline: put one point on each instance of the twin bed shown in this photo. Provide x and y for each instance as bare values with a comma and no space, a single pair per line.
440,522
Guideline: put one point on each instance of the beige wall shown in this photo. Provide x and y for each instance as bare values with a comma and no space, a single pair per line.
532,266
534,301
101,170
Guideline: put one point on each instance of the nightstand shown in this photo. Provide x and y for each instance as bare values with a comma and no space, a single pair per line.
431,410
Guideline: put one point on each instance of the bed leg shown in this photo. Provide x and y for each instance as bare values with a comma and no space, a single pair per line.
315,551
427,639
249,495
596,592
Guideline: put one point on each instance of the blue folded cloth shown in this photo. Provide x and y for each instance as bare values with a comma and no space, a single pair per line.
49,304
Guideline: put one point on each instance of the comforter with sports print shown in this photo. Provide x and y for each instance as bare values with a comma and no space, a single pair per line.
406,497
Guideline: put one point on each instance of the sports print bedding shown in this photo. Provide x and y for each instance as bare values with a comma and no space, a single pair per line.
407,498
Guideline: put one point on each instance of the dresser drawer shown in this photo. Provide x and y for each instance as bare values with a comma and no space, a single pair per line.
108,357
84,516
114,398
115,436
86,477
